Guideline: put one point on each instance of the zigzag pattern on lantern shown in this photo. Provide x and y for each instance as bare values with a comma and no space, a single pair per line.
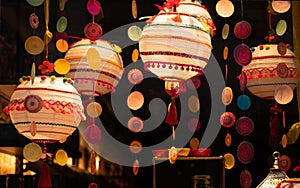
264,72
48,123
56,106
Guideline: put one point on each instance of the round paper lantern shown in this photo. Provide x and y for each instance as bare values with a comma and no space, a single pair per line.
47,110
176,43
91,81
269,70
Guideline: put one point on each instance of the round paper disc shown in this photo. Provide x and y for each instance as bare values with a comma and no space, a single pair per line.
134,32
34,45
245,179
242,29
243,102
194,125
34,21
93,185
93,58
284,140
242,54
61,24
281,6
228,139
243,80
32,152
61,157
245,152
135,55
224,8
244,126
93,6
283,94
227,119
93,31
33,103
281,27
225,53
134,9
61,66
227,96
194,104
193,83
135,124
94,109
282,70
284,163
35,3
229,161
136,166
93,134
135,76
135,147
62,45
194,143
135,100
225,31
281,48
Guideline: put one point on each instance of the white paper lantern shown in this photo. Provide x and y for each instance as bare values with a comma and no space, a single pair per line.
49,110
89,81
269,70
177,44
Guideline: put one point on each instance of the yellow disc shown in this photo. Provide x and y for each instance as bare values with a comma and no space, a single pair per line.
32,152
193,104
94,109
194,143
93,58
135,55
34,45
61,157
225,53
62,45
229,161
284,141
61,66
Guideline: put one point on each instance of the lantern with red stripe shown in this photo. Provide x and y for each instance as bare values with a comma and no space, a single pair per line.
272,65
98,78
49,109
176,44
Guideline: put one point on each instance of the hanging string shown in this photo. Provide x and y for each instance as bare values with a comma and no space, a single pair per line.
242,10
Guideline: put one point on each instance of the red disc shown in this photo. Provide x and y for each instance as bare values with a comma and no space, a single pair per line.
93,31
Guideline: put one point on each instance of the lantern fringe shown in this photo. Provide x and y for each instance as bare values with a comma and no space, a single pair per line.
45,179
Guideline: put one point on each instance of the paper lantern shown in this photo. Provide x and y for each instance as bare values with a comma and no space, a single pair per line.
49,110
176,43
91,81
270,69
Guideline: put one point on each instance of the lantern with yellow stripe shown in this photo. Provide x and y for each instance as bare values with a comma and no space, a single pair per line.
96,67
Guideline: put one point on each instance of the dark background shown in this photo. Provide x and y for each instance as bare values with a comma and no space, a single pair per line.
15,62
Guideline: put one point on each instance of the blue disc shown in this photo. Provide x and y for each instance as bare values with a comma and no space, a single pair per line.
243,102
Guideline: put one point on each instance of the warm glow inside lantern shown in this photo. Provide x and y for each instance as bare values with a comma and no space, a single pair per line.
102,75
47,110
176,43
272,65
